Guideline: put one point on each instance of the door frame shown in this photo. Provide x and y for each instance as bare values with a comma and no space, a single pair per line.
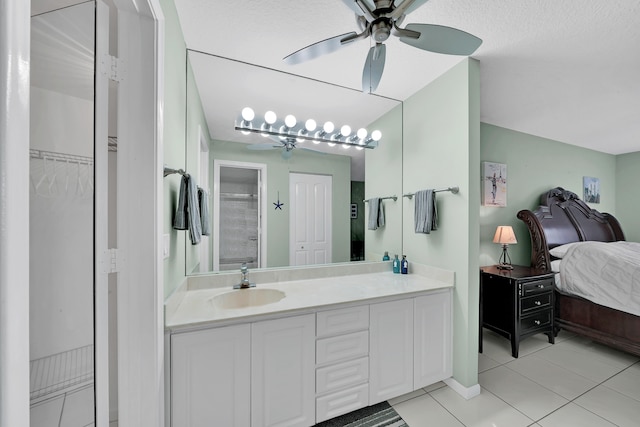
262,206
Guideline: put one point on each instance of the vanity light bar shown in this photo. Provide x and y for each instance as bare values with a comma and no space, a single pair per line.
290,128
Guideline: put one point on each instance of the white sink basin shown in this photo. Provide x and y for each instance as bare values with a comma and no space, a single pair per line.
242,298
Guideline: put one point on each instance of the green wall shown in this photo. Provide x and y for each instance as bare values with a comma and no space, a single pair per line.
383,178
535,165
441,127
628,194
278,169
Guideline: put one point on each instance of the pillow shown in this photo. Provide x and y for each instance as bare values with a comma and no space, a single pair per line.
560,251
555,266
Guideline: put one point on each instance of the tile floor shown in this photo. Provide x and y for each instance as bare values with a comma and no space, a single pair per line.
572,383
72,409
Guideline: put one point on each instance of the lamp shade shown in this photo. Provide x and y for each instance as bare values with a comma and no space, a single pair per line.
504,235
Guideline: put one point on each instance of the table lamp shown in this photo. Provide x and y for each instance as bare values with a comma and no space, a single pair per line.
505,236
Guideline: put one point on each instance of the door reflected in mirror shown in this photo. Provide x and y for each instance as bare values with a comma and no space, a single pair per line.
259,229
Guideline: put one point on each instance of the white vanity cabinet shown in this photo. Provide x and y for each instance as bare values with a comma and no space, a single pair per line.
391,350
342,362
282,372
433,339
210,377
303,369
259,375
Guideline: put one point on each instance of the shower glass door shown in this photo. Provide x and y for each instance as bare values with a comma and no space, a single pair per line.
61,232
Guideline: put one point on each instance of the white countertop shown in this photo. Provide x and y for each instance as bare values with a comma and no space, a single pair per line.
196,307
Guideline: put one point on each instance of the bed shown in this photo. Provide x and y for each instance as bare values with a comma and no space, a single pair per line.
562,218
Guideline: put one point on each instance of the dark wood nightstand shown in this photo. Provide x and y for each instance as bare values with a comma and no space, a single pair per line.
516,303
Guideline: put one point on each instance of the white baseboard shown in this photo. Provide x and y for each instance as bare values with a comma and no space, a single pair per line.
466,392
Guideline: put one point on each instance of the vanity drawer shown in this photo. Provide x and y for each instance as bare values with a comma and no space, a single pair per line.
530,288
537,321
535,302
335,322
341,402
342,347
341,375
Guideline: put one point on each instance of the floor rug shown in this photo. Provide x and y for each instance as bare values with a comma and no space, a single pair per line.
380,415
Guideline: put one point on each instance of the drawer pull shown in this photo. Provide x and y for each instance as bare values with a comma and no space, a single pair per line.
538,303
537,322
541,286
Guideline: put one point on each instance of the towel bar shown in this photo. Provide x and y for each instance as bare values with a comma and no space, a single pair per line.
169,171
384,198
454,190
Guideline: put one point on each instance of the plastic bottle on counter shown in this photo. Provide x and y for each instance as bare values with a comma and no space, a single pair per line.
386,256
404,268
396,264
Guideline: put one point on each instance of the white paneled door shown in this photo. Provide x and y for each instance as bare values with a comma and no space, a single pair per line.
310,237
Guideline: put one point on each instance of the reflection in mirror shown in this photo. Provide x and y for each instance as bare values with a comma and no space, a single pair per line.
297,210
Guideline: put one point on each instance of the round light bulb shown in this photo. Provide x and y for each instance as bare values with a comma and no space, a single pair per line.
328,127
270,117
290,121
248,114
310,125
362,133
345,130
376,135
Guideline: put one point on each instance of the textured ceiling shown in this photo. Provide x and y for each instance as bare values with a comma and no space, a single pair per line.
564,70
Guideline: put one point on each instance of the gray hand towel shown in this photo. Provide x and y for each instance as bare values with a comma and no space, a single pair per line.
376,214
425,212
203,204
187,212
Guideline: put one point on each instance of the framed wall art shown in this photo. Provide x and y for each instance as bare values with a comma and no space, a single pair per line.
494,184
591,187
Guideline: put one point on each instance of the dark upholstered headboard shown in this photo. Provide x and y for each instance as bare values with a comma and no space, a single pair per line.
563,218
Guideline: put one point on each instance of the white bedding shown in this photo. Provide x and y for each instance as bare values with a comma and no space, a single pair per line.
604,273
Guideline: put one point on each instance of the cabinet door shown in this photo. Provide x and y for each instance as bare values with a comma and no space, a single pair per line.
283,372
433,339
391,350
210,377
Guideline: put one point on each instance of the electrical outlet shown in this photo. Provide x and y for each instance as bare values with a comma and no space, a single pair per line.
166,246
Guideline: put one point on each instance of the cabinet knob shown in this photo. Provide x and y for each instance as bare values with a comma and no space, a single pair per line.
537,322
541,286
538,303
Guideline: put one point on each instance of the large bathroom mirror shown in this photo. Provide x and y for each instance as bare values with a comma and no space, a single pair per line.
254,216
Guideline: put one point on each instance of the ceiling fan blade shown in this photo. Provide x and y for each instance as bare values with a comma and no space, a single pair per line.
317,49
266,146
416,4
373,68
440,39
351,4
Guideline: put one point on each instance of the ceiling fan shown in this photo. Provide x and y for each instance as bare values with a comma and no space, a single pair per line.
285,144
381,22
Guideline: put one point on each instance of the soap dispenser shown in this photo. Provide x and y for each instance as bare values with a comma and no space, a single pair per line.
385,256
396,264
404,268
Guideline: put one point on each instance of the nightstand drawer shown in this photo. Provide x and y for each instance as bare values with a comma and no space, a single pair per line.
537,321
535,302
536,287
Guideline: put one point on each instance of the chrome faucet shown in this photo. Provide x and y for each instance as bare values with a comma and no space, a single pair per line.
244,281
